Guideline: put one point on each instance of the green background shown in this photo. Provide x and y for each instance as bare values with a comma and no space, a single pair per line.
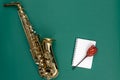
64,21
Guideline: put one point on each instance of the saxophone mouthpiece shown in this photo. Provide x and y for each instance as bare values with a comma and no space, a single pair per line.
5,5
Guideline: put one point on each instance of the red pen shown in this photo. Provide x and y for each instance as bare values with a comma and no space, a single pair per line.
90,52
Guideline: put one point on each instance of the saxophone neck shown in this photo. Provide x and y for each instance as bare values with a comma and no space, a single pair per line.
17,4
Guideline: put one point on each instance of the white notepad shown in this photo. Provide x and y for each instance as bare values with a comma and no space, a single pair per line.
80,51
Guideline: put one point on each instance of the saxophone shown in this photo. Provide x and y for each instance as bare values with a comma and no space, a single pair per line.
42,53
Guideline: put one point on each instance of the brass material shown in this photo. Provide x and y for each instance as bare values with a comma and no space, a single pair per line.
42,52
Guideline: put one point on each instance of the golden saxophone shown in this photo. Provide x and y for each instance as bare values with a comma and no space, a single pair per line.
42,52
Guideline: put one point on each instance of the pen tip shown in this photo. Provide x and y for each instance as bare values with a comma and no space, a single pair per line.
73,68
